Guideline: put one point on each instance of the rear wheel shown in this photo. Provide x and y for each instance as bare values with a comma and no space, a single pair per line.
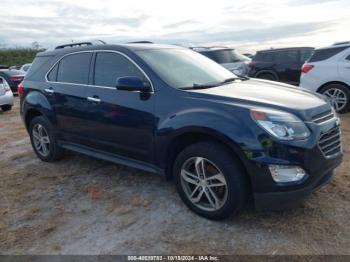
6,107
43,140
210,180
338,95
267,76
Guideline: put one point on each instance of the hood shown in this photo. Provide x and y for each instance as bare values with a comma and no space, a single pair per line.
266,93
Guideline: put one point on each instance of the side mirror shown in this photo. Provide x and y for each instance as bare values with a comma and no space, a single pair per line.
132,83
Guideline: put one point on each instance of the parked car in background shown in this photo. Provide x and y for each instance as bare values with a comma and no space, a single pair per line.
227,57
251,56
25,67
223,139
281,64
13,78
6,96
328,72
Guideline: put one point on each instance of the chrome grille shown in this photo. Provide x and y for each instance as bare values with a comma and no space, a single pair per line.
323,117
330,142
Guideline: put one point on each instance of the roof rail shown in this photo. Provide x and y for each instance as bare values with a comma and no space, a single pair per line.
140,42
342,43
79,44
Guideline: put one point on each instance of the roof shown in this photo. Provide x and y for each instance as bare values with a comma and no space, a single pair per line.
284,49
345,44
130,46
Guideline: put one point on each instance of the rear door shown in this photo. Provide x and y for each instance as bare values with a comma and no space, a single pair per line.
66,89
123,120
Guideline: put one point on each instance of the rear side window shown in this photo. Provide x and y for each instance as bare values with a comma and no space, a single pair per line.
74,68
110,66
348,57
323,54
265,57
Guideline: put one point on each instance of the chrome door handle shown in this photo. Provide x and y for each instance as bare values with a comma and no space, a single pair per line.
49,90
94,99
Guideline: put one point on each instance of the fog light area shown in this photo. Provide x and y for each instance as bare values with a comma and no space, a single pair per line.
283,174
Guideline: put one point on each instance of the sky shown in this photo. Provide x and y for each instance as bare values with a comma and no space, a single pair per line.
247,25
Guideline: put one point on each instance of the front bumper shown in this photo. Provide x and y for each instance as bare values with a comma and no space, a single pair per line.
278,201
6,99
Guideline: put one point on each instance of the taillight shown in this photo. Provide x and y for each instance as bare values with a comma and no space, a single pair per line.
306,68
20,89
252,63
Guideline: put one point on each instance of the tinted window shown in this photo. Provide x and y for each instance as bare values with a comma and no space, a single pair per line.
305,54
74,68
52,76
323,54
265,57
38,62
109,66
348,57
290,56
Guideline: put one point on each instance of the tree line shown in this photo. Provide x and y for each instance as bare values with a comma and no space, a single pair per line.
17,56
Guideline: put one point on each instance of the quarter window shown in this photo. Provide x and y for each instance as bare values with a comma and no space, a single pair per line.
52,76
348,57
74,68
110,66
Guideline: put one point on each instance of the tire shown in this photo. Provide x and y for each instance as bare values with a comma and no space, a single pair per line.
232,197
339,96
267,76
6,107
53,152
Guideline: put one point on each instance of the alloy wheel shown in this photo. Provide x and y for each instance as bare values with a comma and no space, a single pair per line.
41,140
204,184
337,98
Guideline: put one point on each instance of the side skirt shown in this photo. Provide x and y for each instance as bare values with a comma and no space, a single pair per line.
111,157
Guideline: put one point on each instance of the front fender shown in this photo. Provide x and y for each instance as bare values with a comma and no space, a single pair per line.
223,125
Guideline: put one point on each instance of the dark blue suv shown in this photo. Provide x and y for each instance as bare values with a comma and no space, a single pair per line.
169,110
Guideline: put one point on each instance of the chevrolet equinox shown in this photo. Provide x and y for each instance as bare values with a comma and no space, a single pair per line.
223,139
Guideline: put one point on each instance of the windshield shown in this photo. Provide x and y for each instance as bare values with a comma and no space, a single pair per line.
182,68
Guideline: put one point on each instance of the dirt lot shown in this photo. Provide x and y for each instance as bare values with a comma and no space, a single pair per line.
81,205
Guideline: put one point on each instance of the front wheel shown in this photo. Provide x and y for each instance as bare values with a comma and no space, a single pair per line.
338,95
210,180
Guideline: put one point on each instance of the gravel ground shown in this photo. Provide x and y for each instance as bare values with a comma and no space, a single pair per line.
81,205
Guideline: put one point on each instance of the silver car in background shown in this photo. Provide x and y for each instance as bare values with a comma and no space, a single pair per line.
6,95
229,58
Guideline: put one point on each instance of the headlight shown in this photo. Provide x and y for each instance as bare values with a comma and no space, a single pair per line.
281,125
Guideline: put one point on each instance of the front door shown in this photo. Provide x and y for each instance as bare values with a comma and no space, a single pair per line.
123,120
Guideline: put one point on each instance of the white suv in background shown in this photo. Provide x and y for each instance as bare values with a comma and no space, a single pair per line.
328,72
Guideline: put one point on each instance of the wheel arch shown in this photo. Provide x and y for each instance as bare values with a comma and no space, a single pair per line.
330,83
271,72
184,139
